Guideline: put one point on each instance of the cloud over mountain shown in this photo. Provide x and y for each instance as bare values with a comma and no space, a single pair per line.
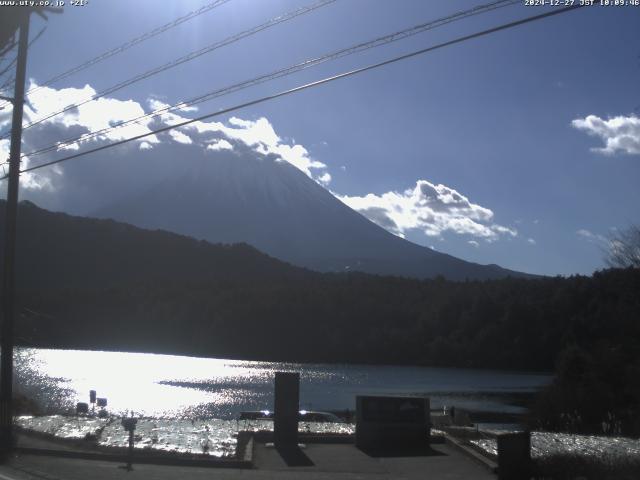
431,208
259,135
434,209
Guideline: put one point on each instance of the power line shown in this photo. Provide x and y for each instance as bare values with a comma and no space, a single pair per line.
288,70
4,52
9,66
311,85
38,35
15,59
131,43
399,35
9,81
8,48
186,58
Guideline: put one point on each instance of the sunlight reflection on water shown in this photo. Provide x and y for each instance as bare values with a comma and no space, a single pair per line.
551,443
191,402
154,385
213,437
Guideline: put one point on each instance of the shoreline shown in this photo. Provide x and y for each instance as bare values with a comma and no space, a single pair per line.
550,451
279,360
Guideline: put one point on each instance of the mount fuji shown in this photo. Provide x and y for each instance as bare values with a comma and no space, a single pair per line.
276,208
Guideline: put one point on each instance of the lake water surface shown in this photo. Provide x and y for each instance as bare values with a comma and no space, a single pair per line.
190,404
169,386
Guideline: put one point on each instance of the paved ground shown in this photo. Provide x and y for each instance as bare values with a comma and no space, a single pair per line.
339,462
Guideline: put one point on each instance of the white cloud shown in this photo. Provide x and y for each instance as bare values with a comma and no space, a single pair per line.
180,137
259,135
473,243
324,179
5,115
188,108
93,116
34,181
71,146
220,144
434,209
531,241
28,180
4,149
96,115
592,237
620,134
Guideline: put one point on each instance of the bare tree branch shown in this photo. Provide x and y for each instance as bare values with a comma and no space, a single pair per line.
624,248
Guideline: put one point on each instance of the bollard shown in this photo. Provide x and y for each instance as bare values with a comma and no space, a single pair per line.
514,456
92,400
286,403
129,424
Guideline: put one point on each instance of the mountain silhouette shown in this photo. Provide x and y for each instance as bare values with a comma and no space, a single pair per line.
276,208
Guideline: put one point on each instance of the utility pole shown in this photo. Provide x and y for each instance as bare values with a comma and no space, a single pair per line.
8,273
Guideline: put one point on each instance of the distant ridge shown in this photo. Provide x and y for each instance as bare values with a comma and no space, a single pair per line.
56,250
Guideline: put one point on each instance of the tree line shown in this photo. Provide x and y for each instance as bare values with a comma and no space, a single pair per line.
98,284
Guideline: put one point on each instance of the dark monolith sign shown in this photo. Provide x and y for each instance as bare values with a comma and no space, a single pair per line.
386,424
287,399
514,456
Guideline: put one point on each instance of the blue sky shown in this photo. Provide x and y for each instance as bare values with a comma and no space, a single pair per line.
516,123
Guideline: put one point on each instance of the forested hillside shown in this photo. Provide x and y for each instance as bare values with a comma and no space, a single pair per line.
100,284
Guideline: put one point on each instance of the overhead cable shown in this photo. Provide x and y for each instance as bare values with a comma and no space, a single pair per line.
127,45
186,58
309,85
377,42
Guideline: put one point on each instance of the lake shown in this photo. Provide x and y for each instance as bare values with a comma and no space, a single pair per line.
170,386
